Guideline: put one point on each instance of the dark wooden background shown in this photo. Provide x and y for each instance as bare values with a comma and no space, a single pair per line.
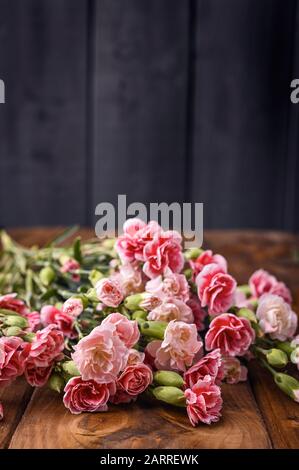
162,100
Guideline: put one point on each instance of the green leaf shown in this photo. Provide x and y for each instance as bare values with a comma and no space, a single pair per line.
77,250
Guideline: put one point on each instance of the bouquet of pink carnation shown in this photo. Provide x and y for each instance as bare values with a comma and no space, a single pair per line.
108,322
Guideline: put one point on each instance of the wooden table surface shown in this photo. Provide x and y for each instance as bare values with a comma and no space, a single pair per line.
255,414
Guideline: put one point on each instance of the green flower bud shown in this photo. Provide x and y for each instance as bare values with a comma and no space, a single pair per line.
171,395
139,315
245,289
168,378
95,276
193,253
13,331
47,275
29,337
109,243
247,313
16,320
288,385
277,358
188,273
70,368
56,382
132,301
154,329
92,295
285,346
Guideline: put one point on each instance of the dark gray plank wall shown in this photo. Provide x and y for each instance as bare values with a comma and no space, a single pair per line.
162,100
42,123
141,99
242,107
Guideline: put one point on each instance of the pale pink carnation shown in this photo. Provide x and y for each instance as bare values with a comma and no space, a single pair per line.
13,355
204,401
51,315
150,302
73,307
135,357
210,365
101,355
261,282
231,334
85,395
174,309
127,330
165,251
130,279
207,257
173,285
216,289
109,292
276,317
234,372
47,346
181,345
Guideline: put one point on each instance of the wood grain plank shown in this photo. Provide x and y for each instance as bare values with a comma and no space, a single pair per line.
141,51
47,424
43,122
14,400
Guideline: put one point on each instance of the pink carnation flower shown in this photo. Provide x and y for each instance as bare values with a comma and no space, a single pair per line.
37,376
130,279
34,321
13,355
179,347
173,285
210,365
109,292
64,322
46,347
174,309
165,251
276,317
101,355
135,357
127,330
135,379
216,289
85,395
261,282
207,257
204,401
71,266
73,307
233,371
231,334
137,234
10,302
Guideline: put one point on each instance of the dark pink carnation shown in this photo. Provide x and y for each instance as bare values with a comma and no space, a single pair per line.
47,346
207,257
210,365
231,334
165,251
261,282
216,289
13,355
85,395
63,321
204,401
137,234
37,376
10,302
199,313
